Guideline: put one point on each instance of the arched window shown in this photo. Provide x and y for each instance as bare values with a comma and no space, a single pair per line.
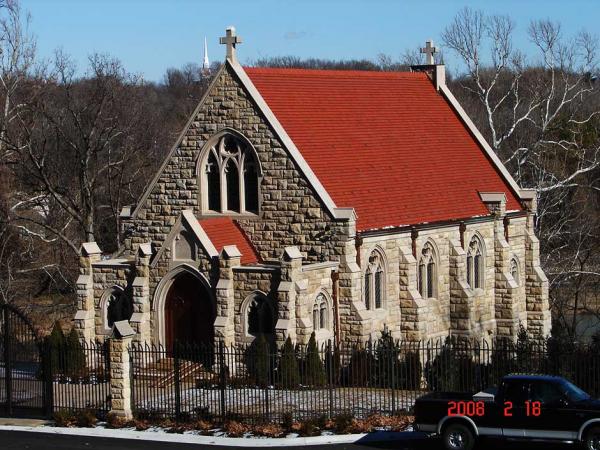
230,177
260,316
475,263
320,313
374,288
514,269
118,306
427,275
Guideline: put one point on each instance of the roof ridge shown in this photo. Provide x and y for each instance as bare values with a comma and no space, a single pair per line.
352,72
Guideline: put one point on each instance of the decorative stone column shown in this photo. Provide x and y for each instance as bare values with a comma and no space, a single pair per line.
90,253
229,258
140,319
461,296
291,267
539,321
120,381
354,318
413,307
505,287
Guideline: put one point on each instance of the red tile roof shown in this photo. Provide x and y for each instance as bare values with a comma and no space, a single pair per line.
386,143
224,231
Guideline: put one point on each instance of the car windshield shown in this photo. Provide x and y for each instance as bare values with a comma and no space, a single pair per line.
573,392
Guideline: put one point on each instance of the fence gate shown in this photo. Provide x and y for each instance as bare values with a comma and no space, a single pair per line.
23,391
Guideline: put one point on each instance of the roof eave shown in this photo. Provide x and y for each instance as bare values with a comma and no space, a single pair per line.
435,224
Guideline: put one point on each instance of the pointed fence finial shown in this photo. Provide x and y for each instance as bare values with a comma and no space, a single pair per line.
231,40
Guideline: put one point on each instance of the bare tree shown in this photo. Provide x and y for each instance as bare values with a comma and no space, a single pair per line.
540,114
17,58
79,143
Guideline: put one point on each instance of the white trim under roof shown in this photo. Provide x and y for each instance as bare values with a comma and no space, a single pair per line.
493,197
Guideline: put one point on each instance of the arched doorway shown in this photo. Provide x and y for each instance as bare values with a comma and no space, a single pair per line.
189,313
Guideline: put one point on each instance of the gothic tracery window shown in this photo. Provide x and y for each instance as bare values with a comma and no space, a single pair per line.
230,179
374,286
427,273
320,313
475,263
260,316
118,307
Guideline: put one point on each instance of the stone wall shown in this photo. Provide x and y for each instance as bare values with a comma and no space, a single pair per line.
291,213
106,276
314,279
456,308
247,282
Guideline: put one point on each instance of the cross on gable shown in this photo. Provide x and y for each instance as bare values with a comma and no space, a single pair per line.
429,50
230,40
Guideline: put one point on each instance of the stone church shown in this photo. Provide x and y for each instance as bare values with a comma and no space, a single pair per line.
339,202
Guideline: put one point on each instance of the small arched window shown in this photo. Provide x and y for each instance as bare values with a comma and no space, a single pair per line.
260,316
230,177
320,313
514,269
427,275
118,306
475,263
374,287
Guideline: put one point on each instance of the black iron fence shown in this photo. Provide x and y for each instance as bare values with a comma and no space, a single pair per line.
79,374
259,383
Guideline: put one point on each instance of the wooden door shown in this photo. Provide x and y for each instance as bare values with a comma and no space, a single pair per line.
189,315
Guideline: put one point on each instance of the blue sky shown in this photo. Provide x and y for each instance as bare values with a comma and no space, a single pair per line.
151,35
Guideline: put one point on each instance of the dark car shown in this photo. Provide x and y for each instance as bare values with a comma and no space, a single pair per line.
522,407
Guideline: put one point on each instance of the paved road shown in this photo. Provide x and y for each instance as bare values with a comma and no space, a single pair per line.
10,440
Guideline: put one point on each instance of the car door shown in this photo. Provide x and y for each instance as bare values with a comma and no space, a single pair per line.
548,415
515,393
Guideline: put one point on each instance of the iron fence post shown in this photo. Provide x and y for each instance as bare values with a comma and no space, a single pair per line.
394,361
132,395
267,408
222,379
330,378
177,382
47,378
7,362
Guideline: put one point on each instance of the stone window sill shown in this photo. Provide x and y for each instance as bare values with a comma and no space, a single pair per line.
233,214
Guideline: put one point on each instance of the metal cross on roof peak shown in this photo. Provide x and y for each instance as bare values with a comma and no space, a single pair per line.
429,50
230,40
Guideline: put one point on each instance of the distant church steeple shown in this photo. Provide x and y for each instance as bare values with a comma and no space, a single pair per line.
205,62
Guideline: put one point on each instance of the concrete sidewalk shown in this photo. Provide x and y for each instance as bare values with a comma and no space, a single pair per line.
19,422
194,438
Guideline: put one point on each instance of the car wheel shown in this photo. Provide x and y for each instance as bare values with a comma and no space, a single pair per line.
592,439
457,436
